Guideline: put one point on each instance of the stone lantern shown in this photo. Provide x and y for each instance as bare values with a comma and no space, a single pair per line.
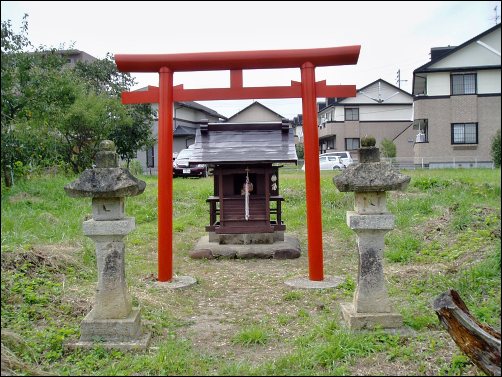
369,180
112,321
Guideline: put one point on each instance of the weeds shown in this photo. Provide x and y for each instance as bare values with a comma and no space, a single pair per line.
447,235
251,336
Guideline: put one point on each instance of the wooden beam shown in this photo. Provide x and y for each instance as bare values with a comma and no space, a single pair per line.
260,59
237,92
479,342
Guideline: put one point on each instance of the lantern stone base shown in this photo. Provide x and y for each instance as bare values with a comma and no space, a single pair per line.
287,249
124,334
359,321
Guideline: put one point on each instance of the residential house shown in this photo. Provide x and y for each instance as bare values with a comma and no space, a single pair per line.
186,121
297,124
457,103
256,112
73,56
379,109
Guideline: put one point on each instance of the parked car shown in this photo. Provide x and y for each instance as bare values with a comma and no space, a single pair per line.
181,167
329,163
345,157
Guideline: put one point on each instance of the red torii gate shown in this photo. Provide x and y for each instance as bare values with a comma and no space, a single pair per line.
236,61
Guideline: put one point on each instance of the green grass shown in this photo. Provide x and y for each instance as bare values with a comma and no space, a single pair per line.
251,336
447,235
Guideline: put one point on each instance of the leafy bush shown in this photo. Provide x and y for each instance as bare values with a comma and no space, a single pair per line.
135,167
299,150
430,183
495,149
368,141
388,148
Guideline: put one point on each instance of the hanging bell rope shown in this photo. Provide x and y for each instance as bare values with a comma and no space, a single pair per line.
246,196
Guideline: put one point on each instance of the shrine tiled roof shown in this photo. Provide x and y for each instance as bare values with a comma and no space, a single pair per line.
266,142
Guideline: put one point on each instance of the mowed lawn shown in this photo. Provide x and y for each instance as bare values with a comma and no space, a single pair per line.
241,318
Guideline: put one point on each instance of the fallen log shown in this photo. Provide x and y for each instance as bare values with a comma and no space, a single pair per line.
478,341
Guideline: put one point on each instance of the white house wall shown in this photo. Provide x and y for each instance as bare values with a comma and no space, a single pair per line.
385,113
489,81
387,93
181,112
254,114
474,54
438,84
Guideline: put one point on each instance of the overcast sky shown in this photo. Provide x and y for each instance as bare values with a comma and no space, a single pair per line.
393,35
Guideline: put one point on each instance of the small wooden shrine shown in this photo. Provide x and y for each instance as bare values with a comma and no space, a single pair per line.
245,207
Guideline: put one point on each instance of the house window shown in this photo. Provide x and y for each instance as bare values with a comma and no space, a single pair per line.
463,83
351,143
150,158
351,114
464,133
331,143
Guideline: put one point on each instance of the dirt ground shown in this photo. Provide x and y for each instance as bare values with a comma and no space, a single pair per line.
231,294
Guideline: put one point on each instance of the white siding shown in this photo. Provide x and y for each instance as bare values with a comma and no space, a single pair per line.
188,114
489,81
255,114
379,91
438,84
387,112
474,54
339,114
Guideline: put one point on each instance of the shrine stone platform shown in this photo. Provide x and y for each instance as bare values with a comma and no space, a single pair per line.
286,247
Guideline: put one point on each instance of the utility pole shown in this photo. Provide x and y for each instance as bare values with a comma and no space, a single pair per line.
398,79
496,18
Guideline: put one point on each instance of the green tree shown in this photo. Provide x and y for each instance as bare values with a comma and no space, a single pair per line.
26,95
53,114
495,149
102,76
134,134
131,130
388,148
87,121
12,44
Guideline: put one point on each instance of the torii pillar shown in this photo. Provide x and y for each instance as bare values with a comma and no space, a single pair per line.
235,62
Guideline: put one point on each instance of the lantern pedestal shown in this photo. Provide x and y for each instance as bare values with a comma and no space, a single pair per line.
369,180
113,322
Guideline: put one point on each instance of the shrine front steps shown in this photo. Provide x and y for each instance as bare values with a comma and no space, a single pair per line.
289,248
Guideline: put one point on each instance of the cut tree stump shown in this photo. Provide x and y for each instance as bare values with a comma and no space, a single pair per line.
479,342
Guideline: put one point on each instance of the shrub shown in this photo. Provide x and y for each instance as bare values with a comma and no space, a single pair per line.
135,167
299,150
368,141
495,149
388,148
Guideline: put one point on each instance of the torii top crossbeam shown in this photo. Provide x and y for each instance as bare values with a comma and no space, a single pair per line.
214,61
236,61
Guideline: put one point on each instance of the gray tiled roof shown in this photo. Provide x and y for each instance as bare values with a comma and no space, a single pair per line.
266,142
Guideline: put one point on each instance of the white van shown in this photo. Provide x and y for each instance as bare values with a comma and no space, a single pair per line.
345,157
329,163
